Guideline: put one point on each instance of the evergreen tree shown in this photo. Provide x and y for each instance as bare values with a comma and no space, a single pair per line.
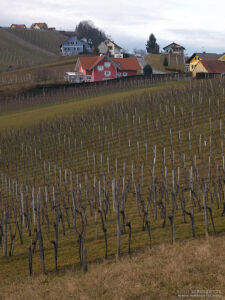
152,46
147,70
165,62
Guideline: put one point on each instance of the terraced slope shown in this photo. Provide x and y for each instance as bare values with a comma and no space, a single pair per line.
47,40
20,48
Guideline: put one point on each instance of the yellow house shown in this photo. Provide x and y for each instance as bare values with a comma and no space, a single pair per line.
196,57
222,57
212,67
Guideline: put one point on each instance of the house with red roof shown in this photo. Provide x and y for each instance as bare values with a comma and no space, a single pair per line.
99,68
18,26
39,26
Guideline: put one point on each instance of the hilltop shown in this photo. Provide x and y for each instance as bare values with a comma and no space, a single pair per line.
21,48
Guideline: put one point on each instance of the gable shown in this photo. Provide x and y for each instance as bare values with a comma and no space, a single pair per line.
70,41
103,47
18,26
73,40
105,63
88,63
103,59
112,44
39,26
173,45
204,56
222,58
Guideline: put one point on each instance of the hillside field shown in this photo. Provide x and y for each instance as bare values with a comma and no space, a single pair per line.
14,82
108,175
21,48
176,62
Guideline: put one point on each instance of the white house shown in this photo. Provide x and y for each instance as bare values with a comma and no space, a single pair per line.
174,48
110,48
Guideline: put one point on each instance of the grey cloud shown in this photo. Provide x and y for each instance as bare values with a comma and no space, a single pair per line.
128,21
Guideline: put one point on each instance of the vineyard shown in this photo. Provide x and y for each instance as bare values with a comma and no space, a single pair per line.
48,40
21,48
40,95
144,170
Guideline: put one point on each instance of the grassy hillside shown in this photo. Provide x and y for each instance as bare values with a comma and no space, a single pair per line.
20,48
47,40
22,79
176,62
177,271
31,116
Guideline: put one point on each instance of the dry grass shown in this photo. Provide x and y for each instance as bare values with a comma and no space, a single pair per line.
158,273
156,62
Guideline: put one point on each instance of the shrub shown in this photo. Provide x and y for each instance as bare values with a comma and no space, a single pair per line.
147,70
165,62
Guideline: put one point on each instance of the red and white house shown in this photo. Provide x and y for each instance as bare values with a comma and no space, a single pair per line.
99,68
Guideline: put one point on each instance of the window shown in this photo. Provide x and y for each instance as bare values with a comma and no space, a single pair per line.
100,68
197,58
118,74
124,74
88,77
107,64
107,73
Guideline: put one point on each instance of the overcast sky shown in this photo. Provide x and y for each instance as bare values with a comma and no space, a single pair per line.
197,25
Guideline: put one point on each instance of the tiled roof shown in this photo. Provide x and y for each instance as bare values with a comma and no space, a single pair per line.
130,63
39,24
18,25
174,45
88,62
214,66
205,56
